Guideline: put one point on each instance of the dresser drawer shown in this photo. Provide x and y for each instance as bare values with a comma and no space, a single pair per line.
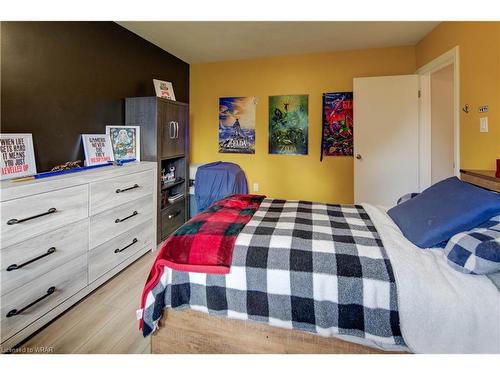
110,254
114,192
27,217
28,260
111,223
67,280
172,218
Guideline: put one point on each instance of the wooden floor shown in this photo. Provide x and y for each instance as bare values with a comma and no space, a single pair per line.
104,321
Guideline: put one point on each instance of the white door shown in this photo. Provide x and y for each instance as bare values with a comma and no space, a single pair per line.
385,138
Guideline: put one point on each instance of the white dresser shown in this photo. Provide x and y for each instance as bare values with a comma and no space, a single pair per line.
63,236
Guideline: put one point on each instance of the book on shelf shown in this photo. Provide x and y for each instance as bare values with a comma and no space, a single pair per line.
169,184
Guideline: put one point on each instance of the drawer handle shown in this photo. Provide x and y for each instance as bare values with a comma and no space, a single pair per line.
15,312
126,247
125,218
18,221
13,267
127,189
171,216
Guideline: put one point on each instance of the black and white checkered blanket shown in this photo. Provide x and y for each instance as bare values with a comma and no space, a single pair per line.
316,267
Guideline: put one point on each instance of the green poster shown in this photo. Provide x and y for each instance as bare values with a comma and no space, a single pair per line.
288,124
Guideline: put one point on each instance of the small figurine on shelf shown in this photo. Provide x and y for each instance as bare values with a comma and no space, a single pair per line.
163,176
170,176
67,165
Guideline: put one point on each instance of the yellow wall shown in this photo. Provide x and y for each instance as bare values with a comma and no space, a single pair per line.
479,44
286,176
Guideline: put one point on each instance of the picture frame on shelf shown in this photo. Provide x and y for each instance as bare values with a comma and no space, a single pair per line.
17,155
125,141
97,149
164,89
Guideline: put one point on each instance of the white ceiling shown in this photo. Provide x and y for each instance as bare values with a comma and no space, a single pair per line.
201,42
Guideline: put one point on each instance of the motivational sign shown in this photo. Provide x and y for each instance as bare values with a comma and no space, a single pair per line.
97,149
164,89
18,157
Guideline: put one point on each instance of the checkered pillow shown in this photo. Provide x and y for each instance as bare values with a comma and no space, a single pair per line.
406,197
476,251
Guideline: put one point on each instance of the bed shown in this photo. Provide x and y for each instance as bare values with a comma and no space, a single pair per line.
279,296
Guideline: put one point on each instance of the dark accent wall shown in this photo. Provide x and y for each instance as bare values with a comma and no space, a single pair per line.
62,79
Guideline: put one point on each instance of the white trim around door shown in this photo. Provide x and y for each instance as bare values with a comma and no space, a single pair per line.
450,57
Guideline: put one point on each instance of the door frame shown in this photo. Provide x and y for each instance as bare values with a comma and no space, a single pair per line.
450,57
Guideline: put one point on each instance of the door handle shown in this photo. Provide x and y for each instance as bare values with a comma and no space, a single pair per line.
15,312
358,156
171,129
126,247
128,217
127,189
13,267
18,221
176,130
171,216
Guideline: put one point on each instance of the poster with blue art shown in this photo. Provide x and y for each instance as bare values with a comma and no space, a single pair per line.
237,125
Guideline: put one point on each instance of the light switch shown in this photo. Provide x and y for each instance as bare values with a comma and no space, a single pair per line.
255,187
483,124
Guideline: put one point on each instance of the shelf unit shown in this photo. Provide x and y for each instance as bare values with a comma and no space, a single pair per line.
170,185
164,139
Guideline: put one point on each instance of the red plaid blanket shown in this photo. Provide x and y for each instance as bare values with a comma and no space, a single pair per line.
206,242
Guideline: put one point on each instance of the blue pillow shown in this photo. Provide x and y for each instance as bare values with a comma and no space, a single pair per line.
449,207
406,197
476,251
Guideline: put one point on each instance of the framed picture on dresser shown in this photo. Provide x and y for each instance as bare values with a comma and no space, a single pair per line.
97,149
17,156
125,141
